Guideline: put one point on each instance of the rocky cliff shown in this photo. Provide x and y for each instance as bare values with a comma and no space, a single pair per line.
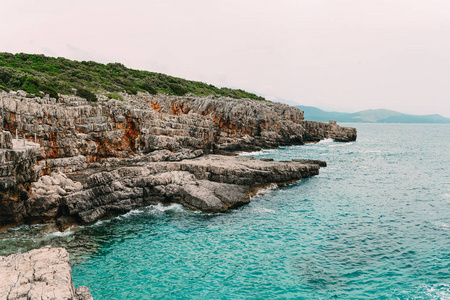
39,274
18,169
78,161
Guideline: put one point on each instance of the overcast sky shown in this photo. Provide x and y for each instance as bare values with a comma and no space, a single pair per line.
344,55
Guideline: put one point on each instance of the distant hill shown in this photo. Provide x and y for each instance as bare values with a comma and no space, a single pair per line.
369,116
35,72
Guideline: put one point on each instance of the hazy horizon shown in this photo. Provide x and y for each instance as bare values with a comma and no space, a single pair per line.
343,55
356,111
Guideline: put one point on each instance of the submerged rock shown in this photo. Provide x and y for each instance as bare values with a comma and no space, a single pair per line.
39,274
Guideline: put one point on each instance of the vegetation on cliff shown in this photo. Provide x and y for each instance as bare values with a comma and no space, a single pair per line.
36,72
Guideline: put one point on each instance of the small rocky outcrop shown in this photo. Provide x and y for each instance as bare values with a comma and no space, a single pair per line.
39,274
316,131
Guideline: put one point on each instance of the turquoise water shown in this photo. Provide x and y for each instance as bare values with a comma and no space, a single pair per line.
375,224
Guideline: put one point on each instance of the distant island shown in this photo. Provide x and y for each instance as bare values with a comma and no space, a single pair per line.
370,116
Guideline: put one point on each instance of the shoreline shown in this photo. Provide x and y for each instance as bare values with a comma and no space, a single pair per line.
80,163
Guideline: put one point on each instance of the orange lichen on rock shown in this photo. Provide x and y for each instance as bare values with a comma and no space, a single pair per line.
178,109
131,135
156,106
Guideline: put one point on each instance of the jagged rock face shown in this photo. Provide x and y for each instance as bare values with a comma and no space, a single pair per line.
5,140
39,274
17,170
84,133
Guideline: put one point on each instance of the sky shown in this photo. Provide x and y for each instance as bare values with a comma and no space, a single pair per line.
343,55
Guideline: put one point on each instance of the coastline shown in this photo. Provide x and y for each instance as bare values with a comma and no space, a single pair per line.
77,163
87,163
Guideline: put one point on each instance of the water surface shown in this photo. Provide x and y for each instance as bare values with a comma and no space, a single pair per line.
375,224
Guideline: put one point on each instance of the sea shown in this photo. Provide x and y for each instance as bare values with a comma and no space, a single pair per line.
374,224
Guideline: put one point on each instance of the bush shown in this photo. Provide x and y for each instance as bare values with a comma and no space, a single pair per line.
178,89
131,90
31,85
50,91
34,86
88,95
5,75
116,66
146,86
17,81
114,96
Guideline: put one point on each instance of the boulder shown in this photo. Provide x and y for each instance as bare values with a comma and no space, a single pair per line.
39,274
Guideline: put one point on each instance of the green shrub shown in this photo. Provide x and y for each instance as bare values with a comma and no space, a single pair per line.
178,89
5,75
50,91
31,85
88,95
146,86
115,96
131,90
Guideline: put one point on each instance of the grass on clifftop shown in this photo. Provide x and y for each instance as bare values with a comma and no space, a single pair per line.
36,72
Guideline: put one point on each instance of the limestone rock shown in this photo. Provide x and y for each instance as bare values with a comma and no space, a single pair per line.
5,140
83,293
17,171
315,131
72,137
211,183
311,161
39,274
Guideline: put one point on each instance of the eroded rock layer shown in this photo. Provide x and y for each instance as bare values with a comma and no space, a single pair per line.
73,128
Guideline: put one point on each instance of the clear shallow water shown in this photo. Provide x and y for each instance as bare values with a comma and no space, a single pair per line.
375,224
